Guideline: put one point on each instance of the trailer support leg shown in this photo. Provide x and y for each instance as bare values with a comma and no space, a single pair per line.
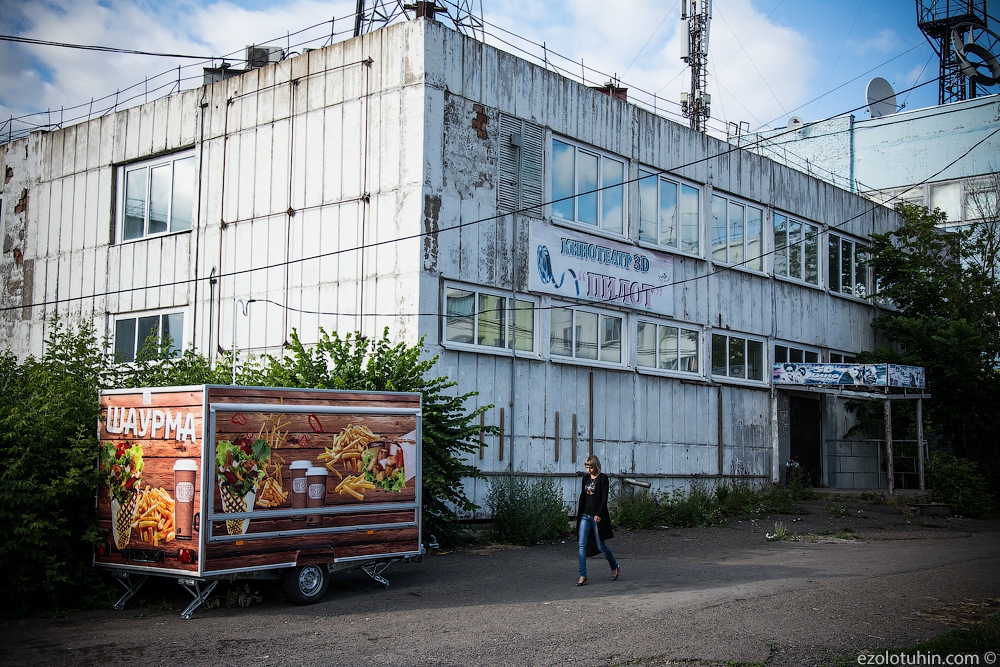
197,593
375,570
131,588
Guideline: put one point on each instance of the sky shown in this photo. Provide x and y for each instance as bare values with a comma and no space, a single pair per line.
768,59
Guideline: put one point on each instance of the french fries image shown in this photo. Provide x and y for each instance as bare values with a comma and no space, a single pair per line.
154,520
272,492
354,485
348,447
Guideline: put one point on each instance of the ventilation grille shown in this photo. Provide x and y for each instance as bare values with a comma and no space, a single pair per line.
527,160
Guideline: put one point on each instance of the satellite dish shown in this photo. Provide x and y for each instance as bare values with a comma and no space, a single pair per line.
795,122
881,98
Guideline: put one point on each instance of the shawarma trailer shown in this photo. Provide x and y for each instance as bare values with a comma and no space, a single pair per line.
213,483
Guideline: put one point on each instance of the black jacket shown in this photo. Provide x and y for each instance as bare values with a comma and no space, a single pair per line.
604,525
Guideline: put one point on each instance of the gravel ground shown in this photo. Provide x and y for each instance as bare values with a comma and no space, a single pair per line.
850,577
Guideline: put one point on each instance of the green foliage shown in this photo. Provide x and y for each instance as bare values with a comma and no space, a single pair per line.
48,470
48,445
633,509
526,510
958,483
947,293
979,638
449,431
640,509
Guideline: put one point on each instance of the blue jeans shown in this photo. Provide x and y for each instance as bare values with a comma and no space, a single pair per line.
587,524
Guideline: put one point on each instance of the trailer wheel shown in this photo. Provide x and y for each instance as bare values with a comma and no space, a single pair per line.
306,584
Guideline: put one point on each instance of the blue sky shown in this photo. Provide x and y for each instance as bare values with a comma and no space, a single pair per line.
768,59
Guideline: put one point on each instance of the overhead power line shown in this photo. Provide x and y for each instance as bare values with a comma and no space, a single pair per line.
90,47
410,237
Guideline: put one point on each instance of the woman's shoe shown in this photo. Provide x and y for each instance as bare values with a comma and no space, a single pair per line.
582,582
617,571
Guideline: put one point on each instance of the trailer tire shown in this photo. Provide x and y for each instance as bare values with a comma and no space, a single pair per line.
306,584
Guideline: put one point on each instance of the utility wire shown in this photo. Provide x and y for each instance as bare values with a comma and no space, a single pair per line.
461,225
88,47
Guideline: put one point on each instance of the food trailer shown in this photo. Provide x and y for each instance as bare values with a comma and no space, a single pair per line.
216,483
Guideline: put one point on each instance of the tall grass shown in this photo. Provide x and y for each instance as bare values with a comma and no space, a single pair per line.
526,510
703,506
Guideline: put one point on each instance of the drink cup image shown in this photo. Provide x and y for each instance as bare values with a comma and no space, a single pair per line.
300,485
316,492
185,473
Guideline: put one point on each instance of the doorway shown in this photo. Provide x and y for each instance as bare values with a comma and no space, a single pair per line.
805,434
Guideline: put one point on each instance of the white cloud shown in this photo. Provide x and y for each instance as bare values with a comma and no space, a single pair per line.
606,34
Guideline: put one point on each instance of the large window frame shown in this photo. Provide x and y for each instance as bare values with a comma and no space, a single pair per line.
587,335
481,319
744,357
736,233
156,197
783,353
796,249
133,329
848,273
668,348
588,187
669,213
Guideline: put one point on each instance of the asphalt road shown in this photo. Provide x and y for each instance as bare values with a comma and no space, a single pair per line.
860,578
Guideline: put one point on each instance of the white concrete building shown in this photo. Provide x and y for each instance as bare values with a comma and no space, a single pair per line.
942,157
419,180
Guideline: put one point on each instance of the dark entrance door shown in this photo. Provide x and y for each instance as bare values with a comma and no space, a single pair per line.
805,435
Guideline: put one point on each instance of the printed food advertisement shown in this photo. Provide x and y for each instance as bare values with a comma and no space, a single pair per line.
301,478
149,466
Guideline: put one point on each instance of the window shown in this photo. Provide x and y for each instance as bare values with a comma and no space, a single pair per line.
669,213
133,335
157,197
735,357
736,233
475,317
796,249
838,358
586,334
668,347
948,198
587,187
848,267
796,355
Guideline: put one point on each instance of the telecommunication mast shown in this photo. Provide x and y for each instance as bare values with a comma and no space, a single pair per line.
696,103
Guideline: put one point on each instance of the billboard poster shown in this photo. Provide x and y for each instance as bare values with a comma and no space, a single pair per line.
910,377
575,265
864,375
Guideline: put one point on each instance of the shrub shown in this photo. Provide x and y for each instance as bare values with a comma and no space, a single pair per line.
958,483
526,510
696,508
48,475
634,509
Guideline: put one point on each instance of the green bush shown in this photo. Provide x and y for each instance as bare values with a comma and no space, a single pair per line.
526,510
958,483
48,445
48,472
697,507
634,509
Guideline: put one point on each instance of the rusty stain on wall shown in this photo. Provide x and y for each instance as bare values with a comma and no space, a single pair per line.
9,175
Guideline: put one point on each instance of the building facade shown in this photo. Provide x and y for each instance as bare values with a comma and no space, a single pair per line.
608,280
944,157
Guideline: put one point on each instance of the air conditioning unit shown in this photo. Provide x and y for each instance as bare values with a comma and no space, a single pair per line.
262,56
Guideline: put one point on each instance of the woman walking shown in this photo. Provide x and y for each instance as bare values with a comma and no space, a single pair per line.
593,518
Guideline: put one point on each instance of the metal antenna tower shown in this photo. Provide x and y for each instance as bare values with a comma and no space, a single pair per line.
696,104
469,18
466,15
966,47
375,14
